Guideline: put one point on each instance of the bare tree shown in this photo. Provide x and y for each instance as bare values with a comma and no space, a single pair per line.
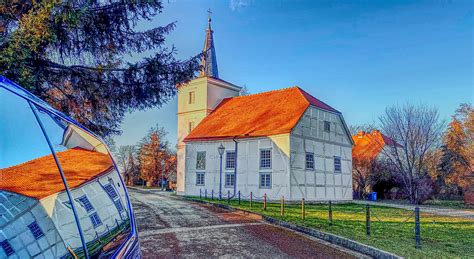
417,131
126,159
356,128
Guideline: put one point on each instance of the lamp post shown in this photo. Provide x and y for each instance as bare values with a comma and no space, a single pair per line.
221,150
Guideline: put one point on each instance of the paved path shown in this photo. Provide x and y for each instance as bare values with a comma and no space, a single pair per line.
423,208
172,227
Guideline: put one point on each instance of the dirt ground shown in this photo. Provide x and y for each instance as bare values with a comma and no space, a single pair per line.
169,227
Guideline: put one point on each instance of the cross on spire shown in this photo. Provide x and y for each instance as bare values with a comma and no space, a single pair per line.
209,61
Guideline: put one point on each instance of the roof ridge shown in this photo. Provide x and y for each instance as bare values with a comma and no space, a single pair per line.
271,91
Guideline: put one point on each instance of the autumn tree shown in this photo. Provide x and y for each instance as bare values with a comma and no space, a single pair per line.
456,162
417,130
73,54
153,156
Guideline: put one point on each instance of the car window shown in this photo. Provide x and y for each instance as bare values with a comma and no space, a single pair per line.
33,205
94,183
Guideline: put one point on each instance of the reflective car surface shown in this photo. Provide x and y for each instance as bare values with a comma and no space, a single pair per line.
61,194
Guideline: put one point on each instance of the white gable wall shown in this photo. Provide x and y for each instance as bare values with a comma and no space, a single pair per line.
248,166
322,183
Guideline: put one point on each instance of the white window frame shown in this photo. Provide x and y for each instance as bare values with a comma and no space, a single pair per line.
337,158
226,157
190,126
229,176
198,183
260,180
197,160
269,158
307,162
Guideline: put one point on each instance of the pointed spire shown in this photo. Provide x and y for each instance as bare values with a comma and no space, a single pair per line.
209,61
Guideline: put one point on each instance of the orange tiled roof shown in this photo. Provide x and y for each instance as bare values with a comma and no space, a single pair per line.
263,114
40,177
367,146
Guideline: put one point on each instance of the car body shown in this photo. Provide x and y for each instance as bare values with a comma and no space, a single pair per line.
61,194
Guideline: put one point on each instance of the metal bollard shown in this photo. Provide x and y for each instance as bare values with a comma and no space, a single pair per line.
367,219
330,213
302,209
205,194
239,197
212,194
200,195
265,201
251,195
417,228
228,197
282,206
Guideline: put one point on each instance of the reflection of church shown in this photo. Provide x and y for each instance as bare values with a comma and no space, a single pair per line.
280,143
36,216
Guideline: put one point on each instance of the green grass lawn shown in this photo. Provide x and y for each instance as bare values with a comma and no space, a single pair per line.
441,236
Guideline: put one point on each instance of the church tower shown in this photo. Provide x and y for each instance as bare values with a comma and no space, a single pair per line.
199,98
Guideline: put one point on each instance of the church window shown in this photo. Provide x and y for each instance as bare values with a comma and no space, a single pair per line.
230,160
118,205
110,191
327,126
95,220
265,158
337,164
35,230
265,180
7,247
229,179
192,97
201,160
86,203
309,161
191,126
200,178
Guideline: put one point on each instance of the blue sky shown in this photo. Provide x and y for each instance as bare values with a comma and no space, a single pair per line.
357,56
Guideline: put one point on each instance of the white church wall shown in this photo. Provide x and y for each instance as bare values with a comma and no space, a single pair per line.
18,212
59,210
322,183
248,166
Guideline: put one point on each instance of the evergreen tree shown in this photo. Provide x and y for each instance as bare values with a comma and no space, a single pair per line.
71,54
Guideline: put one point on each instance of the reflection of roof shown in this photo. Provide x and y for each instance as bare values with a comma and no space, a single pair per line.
264,114
369,145
40,177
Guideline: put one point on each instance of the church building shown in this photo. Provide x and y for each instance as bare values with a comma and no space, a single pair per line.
279,143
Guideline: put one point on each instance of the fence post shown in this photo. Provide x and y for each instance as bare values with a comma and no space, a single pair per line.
302,209
367,219
212,194
417,228
265,201
282,206
228,197
200,195
251,199
239,197
330,213
205,194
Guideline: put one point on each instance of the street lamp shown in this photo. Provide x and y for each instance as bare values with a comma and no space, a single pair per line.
221,150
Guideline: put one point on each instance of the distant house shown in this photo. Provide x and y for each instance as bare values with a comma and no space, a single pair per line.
368,147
